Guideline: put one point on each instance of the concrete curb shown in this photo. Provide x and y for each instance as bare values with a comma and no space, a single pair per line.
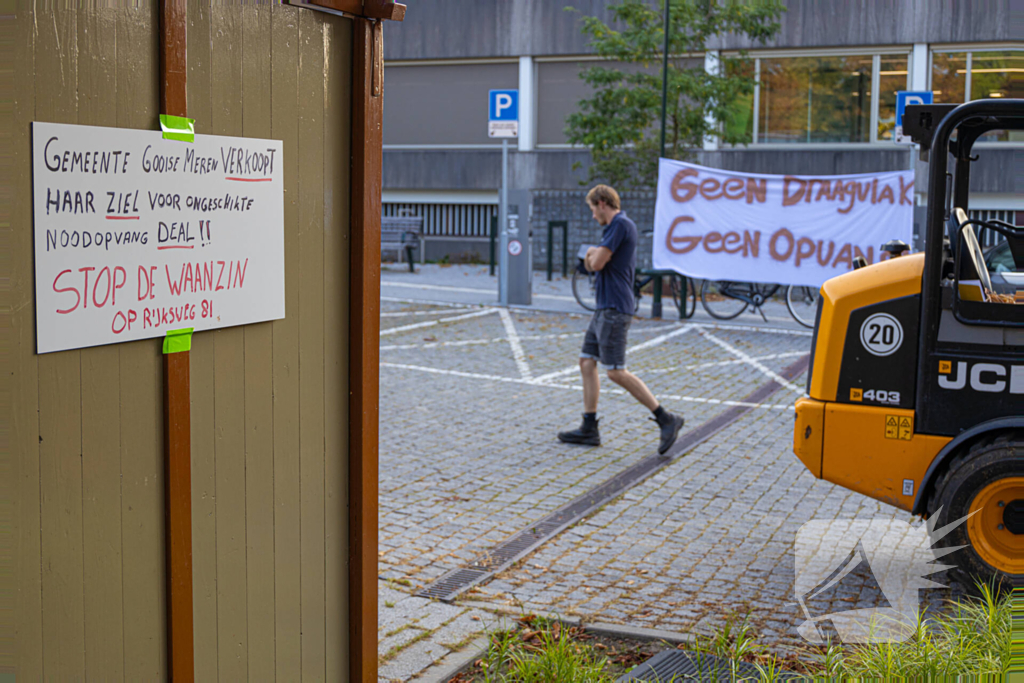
458,662
596,627
637,633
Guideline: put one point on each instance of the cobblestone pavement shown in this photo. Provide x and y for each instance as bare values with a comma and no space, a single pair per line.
471,399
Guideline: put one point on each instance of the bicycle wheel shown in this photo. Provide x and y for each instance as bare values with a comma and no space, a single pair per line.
689,299
584,289
802,303
720,298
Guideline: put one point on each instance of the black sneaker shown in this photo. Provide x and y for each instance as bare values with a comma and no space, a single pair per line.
585,435
670,425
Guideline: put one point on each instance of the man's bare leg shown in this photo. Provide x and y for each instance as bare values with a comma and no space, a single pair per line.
631,383
587,433
668,423
591,384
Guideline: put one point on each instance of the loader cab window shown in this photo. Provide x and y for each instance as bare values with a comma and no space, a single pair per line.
986,282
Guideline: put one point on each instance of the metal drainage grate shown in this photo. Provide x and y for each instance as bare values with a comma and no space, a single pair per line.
453,582
448,586
678,665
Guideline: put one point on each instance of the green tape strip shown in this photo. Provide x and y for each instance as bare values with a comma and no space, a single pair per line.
178,128
178,340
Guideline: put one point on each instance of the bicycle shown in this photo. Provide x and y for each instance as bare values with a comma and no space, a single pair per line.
584,289
725,299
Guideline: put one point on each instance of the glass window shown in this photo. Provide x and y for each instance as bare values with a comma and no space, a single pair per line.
992,74
892,77
560,88
442,104
815,99
998,74
949,77
739,121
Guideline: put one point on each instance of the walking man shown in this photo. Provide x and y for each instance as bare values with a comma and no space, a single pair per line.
614,261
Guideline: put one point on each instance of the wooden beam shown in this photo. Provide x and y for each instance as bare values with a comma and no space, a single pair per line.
173,61
364,336
177,398
371,9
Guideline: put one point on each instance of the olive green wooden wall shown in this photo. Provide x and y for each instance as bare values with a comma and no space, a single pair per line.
269,401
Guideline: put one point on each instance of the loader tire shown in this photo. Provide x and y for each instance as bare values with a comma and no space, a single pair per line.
986,479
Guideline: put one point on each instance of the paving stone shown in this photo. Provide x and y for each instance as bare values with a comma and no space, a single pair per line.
468,457
406,635
412,660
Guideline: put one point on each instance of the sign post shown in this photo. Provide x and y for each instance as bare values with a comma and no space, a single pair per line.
503,122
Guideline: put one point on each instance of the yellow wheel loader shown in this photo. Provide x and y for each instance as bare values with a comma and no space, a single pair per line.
916,383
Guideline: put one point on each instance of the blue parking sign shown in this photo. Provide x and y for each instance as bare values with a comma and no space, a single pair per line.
905,97
503,113
503,105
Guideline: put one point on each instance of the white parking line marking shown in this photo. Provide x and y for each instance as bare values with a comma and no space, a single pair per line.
400,314
535,383
450,304
473,290
638,347
513,342
502,340
431,323
722,363
752,362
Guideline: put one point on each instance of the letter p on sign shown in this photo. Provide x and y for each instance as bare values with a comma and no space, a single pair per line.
504,105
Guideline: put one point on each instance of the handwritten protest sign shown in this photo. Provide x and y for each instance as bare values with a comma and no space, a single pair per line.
794,230
136,235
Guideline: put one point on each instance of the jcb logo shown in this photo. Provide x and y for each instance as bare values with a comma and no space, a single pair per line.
988,377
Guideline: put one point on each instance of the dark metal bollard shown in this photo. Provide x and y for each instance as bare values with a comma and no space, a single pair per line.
656,302
564,225
494,236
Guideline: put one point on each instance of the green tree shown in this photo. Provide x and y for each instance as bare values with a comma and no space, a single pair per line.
620,124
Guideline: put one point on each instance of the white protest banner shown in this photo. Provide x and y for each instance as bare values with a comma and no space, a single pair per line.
136,235
793,230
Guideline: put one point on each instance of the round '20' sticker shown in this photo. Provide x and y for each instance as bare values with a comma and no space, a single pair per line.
881,334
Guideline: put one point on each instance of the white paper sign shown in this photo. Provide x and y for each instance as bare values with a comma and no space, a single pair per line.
793,230
136,235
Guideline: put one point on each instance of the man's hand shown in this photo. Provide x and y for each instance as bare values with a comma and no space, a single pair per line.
597,258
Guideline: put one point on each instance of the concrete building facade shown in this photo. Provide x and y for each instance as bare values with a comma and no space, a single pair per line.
439,162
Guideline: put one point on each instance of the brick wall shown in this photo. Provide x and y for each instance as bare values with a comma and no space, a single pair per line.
571,206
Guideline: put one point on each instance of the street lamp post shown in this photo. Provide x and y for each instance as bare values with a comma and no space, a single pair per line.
664,80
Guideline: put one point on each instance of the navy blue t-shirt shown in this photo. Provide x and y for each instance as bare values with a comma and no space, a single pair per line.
615,281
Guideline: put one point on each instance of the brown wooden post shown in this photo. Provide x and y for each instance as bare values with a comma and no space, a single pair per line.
364,362
177,399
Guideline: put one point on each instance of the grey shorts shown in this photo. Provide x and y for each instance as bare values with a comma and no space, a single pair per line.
605,340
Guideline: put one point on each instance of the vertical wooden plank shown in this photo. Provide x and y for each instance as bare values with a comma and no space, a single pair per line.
204,483
141,370
259,406
311,340
285,127
229,384
101,395
177,399
24,381
337,207
364,351
60,401
60,462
